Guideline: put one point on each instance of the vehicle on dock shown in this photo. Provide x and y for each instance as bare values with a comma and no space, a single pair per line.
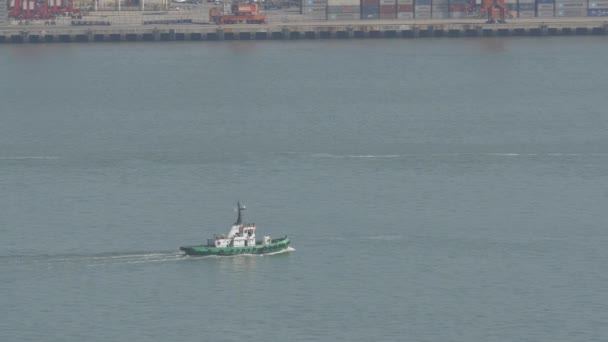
240,240
236,14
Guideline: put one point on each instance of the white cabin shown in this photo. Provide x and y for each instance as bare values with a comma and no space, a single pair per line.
240,235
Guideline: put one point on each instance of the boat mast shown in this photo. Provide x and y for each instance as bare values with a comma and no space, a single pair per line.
239,219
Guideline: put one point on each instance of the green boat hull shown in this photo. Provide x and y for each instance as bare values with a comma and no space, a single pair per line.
277,245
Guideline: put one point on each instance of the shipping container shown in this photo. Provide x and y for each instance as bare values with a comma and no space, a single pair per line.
570,5
598,12
388,2
405,2
462,9
545,7
343,16
598,4
370,12
457,15
370,16
422,8
317,3
405,8
370,2
343,9
343,2
571,8
571,13
405,15
388,9
405,11
3,12
320,15
422,15
525,7
438,14
545,14
457,7
445,8
387,14
310,10
526,14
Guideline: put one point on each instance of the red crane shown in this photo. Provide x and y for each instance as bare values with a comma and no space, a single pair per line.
31,9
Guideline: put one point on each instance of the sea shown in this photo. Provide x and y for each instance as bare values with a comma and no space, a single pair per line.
433,190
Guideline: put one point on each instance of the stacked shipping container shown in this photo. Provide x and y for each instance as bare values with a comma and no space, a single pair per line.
343,9
3,13
314,9
598,8
405,9
570,8
388,9
545,8
440,9
422,9
458,8
526,9
370,9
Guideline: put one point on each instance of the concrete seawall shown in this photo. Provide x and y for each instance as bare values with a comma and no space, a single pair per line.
292,31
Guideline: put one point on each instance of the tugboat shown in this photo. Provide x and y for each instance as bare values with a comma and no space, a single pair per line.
240,240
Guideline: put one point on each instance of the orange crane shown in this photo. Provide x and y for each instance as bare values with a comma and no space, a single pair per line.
237,13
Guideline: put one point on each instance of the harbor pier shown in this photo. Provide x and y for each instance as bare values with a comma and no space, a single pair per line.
294,31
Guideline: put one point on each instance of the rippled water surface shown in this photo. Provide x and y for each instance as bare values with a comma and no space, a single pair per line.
433,190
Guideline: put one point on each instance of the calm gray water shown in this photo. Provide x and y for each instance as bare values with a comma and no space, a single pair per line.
434,190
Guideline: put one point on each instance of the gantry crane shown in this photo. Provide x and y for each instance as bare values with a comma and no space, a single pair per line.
33,9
